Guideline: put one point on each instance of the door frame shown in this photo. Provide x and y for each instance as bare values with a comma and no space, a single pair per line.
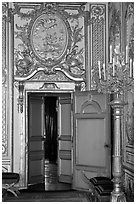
46,93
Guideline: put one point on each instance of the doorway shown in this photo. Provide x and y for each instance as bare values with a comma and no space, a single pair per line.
43,142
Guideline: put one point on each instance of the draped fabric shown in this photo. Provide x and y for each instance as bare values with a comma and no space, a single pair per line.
50,129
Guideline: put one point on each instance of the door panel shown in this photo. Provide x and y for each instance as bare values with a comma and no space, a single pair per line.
92,155
64,140
35,140
91,131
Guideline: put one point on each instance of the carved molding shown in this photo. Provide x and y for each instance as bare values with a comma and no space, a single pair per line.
47,73
41,76
5,143
91,105
49,86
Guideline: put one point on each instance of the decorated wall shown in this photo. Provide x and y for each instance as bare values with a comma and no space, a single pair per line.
47,46
56,47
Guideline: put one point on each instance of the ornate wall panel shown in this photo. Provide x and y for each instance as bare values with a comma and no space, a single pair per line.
129,110
121,32
98,38
49,38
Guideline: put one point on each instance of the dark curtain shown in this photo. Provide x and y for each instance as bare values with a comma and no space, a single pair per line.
50,129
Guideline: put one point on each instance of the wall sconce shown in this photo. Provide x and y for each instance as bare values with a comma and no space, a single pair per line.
20,98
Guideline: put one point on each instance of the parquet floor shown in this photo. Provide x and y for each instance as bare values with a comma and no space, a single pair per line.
51,178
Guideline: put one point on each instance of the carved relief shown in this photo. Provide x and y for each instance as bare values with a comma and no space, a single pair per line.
129,111
41,76
115,24
52,38
23,60
97,12
129,122
49,38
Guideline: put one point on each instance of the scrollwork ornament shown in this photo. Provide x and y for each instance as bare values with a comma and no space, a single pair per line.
97,12
16,84
83,86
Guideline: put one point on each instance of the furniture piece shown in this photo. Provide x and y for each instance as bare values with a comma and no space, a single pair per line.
9,179
100,188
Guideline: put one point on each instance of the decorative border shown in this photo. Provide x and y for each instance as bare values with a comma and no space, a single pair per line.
5,142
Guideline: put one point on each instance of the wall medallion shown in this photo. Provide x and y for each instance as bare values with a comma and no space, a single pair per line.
49,38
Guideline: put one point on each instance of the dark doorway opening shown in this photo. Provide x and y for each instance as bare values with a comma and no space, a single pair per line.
50,129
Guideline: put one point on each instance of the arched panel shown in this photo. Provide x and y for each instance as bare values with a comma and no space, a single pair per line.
90,107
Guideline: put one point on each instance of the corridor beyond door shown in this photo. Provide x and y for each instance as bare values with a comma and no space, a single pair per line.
51,146
45,144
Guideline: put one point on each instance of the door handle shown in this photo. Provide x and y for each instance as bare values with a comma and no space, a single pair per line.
43,138
107,145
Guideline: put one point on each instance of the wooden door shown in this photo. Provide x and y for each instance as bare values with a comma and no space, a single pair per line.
64,140
92,152
36,140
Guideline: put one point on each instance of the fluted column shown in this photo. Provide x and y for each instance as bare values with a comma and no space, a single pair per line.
117,194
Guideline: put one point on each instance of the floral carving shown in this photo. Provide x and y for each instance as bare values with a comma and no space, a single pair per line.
74,58
23,60
97,11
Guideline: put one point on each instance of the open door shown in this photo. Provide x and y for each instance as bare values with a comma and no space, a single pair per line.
64,139
35,140
92,152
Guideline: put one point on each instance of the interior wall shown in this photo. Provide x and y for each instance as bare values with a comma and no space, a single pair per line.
85,35
21,64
